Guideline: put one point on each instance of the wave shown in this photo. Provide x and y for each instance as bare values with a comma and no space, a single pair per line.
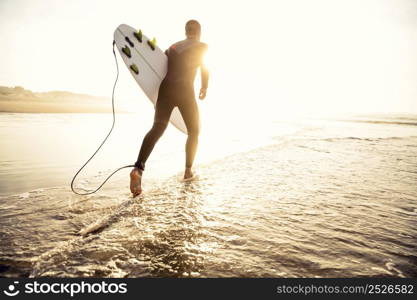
411,122
367,139
106,220
349,138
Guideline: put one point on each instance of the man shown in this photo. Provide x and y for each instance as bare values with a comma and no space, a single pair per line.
177,90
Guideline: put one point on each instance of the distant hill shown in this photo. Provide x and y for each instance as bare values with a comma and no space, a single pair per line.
19,99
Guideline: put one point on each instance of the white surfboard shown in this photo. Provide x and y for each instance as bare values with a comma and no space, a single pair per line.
147,63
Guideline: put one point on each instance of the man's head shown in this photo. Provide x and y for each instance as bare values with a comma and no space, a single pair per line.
193,29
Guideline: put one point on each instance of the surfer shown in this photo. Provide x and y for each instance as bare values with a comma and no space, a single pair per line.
177,90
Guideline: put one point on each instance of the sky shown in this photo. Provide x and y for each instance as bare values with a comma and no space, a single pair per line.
266,58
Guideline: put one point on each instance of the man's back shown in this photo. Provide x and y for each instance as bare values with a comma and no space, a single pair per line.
184,57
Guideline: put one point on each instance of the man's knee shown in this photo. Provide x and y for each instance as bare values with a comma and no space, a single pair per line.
158,129
193,132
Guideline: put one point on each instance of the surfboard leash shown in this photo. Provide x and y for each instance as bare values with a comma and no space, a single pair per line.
105,139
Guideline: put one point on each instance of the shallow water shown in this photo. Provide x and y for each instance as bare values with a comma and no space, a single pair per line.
320,199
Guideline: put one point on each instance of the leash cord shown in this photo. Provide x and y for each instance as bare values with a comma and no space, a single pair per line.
102,143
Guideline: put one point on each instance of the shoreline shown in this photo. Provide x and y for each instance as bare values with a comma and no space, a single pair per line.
20,100
36,107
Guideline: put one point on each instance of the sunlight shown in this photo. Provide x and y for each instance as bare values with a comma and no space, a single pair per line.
280,58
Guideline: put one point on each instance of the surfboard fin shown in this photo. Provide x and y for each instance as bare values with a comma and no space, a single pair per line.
138,35
126,50
129,42
134,68
152,43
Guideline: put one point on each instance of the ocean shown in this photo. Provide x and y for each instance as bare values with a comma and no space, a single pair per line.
307,197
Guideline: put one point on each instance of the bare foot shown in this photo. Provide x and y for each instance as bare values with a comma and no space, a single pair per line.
188,174
136,182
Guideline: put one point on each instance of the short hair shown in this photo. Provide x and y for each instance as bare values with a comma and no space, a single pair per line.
192,27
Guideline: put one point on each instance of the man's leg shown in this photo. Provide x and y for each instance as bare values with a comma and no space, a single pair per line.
163,112
190,114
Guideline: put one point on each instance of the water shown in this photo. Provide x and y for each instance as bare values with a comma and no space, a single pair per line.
294,198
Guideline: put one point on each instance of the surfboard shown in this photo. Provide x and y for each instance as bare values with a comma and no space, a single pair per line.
147,63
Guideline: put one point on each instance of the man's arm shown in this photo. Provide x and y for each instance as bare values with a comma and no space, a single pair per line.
204,78
204,81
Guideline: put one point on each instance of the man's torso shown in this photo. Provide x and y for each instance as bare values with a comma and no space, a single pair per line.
184,58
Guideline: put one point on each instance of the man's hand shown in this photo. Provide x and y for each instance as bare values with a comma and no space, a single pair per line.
203,93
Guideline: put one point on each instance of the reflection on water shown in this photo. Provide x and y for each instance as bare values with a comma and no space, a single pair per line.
44,150
334,202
